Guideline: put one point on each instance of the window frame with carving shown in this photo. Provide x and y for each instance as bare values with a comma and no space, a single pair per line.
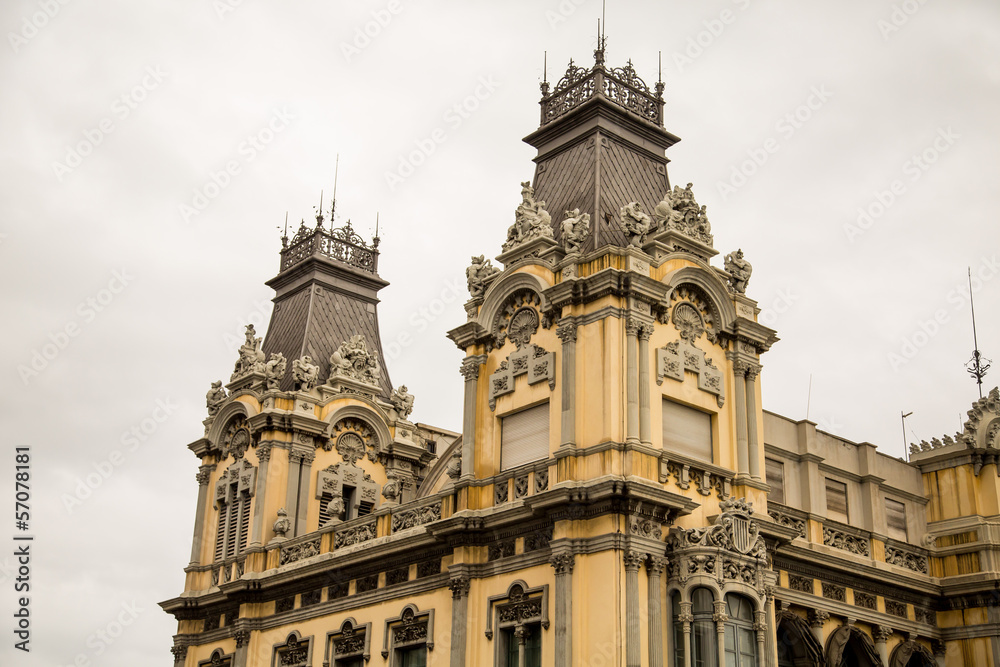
409,617
507,616
218,658
348,630
292,642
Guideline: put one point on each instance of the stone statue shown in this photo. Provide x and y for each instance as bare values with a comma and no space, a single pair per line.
283,524
274,370
531,220
352,360
478,273
392,489
679,211
402,402
739,269
251,357
574,229
214,398
634,223
454,469
305,373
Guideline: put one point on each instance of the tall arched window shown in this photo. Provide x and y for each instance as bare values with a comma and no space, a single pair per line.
678,626
703,636
741,640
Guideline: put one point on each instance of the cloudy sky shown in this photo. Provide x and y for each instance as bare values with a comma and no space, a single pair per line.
150,152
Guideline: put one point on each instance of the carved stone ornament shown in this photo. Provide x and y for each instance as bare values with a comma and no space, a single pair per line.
402,402
680,212
300,551
839,539
355,535
531,220
739,271
519,319
352,360
392,490
236,439
691,325
634,223
479,274
305,373
562,563
788,520
295,652
274,370
454,469
251,357
353,439
574,230
906,558
680,356
215,397
460,586
644,526
419,516
539,365
283,523
982,429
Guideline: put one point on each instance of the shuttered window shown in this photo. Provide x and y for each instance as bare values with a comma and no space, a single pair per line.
836,501
687,431
524,437
774,471
895,519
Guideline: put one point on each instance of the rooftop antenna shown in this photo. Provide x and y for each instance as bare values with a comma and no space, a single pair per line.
333,206
376,239
809,396
604,21
319,211
906,450
284,236
978,365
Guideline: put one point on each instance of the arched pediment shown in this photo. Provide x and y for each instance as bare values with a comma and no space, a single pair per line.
222,418
501,289
376,420
710,287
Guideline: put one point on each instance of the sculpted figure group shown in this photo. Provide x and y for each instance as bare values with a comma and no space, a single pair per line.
352,360
531,220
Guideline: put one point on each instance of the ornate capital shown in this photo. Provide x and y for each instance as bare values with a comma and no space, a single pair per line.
881,633
685,616
470,368
180,652
939,647
308,458
817,617
645,331
720,612
567,332
204,473
760,621
740,368
264,452
242,637
460,586
633,560
563,563
752,371
655,565
632,326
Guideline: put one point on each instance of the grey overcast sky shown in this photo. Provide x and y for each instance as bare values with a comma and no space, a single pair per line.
150,151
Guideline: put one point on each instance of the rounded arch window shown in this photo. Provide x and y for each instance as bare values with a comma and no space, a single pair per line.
703,636
741,640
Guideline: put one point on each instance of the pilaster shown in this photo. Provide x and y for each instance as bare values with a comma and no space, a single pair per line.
645,436
203,477
633,652
563,565
567,332
470,371
654,568
460,587
632,328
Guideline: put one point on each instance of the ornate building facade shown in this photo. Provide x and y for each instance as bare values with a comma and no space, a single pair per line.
616,495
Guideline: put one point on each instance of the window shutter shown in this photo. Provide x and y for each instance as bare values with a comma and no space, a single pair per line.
774,472
244,522
836,501
220,534
895,519
232,522
524,437
687,431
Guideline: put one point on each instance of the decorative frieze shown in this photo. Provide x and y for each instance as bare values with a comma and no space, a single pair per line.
500,549
784,519
864,600
839,539
299,551
284,604
685,473
428,568
418,516
397,575
895,608
310,598
801,584
366,583
338,590
355,535
541,480
834,592
538,539
908,559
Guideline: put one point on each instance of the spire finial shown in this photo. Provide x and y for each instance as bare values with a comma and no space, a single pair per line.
545,75
978,365
333,205
284,236
319,211
375,241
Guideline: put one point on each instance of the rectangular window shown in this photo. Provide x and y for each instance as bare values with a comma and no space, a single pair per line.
774,472
411,657
511,646
524,437
895,519
836,501
687,431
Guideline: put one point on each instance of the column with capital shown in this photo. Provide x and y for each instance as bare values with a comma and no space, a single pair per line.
654,568
242,637
753,446
817,617
470,371
460,587
257,529
567,333
881,633
633,652
686,618
720,619
292,492
563,565
632,328
644,428
940,652
307,456
203,477
742,453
